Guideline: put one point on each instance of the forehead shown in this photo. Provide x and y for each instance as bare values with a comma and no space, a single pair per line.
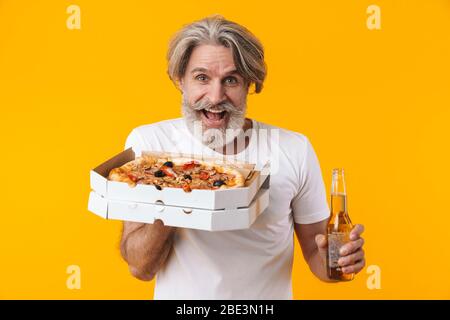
213,58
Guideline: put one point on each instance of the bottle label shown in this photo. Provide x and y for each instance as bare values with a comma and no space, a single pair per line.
335,241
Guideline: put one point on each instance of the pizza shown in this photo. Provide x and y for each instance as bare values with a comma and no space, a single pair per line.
184,173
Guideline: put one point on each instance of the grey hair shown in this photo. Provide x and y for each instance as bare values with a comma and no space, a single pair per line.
248,52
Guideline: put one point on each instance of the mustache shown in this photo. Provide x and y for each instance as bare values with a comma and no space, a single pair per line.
222,106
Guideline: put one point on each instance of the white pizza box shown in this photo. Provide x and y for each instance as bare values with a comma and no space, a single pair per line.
193,218
204,199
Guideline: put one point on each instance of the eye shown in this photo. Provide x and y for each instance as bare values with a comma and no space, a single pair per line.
201,77
231,81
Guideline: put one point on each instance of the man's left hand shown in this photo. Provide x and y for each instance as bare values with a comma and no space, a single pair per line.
352,258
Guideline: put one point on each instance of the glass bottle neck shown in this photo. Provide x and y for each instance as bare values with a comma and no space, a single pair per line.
338,182
338,192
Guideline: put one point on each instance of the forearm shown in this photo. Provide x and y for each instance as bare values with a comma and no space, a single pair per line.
145,249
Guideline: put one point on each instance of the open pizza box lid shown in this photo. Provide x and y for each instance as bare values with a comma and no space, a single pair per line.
202,199
193,218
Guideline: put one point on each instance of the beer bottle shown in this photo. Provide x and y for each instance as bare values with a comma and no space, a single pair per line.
339,227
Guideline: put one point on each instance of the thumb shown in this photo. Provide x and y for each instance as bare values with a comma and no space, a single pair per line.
321,241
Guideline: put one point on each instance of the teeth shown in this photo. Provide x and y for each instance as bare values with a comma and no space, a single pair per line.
213,114
214,111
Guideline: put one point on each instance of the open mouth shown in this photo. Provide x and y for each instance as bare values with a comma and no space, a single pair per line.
214,115
214,119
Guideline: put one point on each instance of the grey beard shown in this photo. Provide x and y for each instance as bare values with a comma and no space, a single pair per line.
214,138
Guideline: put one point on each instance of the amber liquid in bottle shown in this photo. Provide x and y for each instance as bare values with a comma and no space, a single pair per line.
339,227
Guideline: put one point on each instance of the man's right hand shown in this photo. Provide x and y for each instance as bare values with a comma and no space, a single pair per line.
145,247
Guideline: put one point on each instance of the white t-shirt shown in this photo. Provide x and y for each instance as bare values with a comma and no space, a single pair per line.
244,264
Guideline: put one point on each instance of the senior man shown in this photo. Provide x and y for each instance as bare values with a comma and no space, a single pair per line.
216,63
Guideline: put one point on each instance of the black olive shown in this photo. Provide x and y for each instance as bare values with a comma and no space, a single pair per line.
158,187
168,164
159,174
188,176
218,183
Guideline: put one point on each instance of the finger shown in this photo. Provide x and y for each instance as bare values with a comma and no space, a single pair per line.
356,231
355,268
351,247
321,241
351,259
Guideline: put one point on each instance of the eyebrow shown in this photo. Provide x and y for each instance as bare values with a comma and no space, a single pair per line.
200,69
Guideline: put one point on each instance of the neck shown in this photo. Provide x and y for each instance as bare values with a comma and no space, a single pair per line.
233,147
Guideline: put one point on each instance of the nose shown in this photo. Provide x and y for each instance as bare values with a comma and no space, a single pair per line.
216,93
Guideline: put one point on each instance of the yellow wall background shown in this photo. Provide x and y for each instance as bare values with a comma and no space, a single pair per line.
375,102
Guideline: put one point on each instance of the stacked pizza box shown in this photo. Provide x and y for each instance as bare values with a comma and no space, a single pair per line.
213,210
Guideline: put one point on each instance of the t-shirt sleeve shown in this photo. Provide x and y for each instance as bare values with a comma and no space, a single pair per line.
135,141
310,205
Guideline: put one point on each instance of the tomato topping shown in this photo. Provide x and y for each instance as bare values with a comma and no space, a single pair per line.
190,165
132,177
204,175
168,171
186,188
